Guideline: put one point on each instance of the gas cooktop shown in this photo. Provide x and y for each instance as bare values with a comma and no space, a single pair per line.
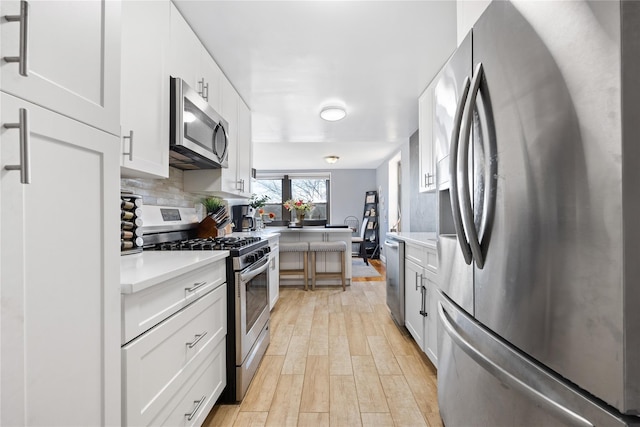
233,244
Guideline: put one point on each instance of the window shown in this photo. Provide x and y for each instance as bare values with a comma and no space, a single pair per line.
306,187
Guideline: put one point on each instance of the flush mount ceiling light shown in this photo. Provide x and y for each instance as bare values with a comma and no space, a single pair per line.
333,114
331,159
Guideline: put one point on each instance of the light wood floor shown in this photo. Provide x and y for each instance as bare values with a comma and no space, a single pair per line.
337,359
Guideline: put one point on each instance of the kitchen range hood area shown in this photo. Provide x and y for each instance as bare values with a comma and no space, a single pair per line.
509,223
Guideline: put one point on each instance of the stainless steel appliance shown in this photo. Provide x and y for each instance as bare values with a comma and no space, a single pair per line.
198,134
394,251
536,130
243,218
174,229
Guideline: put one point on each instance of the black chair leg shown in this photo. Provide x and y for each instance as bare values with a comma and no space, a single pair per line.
363,253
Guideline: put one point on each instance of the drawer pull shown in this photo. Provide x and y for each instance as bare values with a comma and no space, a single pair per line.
195,410
198,338
195,286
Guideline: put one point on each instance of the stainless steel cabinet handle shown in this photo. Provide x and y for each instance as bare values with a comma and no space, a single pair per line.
463,169
25,146
453,167
204,89
195,410
130,138
423,292
195,286
23,18
197,340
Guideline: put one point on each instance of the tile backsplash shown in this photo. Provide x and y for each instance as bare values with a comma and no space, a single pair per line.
162,192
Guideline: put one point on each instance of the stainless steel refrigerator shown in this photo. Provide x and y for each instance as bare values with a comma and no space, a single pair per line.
537,126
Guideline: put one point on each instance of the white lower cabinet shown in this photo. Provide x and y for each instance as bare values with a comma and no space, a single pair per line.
421,303
274,271
59,272
413,319
174,372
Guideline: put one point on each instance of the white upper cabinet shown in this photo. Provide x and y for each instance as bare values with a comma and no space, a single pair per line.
211,80
190,61
244,154
68,55
427,164
145,89
185,48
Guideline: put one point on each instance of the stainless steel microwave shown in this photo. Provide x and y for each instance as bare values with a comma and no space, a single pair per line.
198,134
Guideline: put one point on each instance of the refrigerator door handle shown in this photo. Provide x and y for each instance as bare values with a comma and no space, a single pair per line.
463,169
535,390
453,160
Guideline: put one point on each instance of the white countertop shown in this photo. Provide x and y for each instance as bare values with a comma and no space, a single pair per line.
419,238
148,268
312,229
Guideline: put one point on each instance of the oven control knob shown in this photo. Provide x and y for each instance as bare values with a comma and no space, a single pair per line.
251,258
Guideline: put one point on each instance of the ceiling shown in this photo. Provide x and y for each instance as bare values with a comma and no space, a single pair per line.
289,59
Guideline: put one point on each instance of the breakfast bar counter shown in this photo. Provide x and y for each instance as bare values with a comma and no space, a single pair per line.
325,261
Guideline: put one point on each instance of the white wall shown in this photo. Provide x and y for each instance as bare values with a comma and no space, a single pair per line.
468,12
382,178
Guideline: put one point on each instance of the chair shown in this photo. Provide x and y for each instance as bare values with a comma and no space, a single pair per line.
362,249
299,247
314,248
353,223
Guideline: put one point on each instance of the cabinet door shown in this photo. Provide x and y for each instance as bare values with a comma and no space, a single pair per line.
229,110
413,320
274,277
212,76
59,273
427,168
244,148
73,58
431,326
184,51
145,89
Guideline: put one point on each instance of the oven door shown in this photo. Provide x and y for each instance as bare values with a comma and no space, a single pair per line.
199,135
252,306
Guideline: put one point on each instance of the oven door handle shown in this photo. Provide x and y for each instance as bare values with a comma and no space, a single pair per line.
255,270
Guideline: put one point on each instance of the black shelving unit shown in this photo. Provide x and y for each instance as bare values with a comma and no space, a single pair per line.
371,237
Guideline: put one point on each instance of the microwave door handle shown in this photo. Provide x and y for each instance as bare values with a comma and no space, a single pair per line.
453,166
463,169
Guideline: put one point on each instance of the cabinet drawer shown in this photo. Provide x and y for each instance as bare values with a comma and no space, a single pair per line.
145,309
423,256
199,394
415,254
159,363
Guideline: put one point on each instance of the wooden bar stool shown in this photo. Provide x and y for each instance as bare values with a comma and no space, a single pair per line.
314,248
300,247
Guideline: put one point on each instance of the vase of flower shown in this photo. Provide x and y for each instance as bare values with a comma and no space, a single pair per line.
300,207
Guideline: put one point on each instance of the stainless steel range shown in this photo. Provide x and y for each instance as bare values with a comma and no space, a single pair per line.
174,229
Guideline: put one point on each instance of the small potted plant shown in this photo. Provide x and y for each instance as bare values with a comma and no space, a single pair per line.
256,201
212,204
216,211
